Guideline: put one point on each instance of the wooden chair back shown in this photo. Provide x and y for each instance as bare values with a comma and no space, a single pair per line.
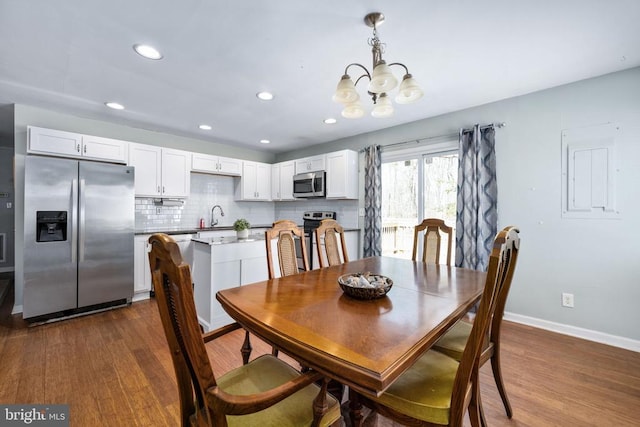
502,263
433,229
174,294
286,232
329,231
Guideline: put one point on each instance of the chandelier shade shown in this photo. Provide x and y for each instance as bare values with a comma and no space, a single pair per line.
381,81
346,91
353,110
409,90
383,107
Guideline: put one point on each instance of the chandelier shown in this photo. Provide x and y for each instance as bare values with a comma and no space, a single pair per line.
381,81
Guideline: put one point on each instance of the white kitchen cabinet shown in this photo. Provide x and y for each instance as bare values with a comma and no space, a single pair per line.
282,181
160,172
342,175
310,164
70,144
141,269
206,163
255,183
224,266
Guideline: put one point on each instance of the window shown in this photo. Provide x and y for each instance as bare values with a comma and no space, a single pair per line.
417,184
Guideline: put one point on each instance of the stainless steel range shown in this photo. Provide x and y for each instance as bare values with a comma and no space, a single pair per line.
311,221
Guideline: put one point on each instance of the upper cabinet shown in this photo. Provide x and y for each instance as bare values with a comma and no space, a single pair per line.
255,183
310,164
342,175
70,144
160,172
206,163
282,181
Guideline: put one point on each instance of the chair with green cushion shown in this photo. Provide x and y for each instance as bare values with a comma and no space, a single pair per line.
264,392
438,390
455,340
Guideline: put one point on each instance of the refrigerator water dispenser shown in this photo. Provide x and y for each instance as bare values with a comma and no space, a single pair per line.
51,226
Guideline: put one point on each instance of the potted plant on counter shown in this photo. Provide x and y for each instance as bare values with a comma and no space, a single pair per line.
242,226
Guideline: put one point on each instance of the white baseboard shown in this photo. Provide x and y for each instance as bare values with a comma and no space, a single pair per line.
574,331
17,309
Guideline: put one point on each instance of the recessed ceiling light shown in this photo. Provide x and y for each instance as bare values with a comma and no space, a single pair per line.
147,51
205,127
114,105
265,96
330,121
264,141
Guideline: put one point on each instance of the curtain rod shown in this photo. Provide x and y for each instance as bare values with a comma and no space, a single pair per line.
451,135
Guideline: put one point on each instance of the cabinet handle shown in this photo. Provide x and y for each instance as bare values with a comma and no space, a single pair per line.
85,149
163,190
78,148
158,188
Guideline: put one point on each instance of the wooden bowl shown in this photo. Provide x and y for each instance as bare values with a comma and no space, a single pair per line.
351,285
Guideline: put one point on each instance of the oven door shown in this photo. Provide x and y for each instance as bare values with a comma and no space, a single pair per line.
307,185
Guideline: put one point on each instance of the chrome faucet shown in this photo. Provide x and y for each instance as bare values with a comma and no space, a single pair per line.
214,220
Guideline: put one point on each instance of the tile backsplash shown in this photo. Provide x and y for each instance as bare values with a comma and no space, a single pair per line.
210,190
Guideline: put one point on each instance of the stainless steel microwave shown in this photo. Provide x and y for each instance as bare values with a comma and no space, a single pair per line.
309,184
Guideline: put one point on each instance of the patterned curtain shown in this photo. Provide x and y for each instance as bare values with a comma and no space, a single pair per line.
477,209
372,244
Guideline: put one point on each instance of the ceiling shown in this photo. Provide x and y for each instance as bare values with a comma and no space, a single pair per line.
74,55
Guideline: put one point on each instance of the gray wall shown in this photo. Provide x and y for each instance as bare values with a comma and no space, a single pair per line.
596,260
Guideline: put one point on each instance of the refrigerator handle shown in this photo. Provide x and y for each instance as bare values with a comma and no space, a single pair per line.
81,225
74,219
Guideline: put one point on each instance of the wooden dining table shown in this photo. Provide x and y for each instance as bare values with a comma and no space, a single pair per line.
365,344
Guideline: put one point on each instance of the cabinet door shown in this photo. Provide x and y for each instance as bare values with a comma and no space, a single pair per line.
147,160
342,175
142,272
54,142
249,178
263,181
287,170
204,163
228,166
275,182
176,166
95,147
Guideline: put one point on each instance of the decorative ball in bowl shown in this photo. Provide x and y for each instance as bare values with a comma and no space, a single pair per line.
365,285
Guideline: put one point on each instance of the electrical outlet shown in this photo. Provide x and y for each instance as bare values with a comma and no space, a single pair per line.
567,300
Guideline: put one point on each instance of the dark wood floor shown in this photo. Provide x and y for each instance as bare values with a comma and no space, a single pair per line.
113,369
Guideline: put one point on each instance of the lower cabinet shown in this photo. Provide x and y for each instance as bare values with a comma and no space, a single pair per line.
141,269
224,266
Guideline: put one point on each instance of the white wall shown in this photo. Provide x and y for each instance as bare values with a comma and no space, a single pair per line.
596,260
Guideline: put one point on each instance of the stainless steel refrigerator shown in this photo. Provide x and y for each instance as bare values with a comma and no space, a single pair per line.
79,235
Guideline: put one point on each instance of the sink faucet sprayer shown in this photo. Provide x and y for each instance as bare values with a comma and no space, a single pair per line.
214,220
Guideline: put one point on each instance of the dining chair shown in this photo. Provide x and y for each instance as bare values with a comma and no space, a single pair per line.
286,232
266,391
328,232
437,389
454,341
433,229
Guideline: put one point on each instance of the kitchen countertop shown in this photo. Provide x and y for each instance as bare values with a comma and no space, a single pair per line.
228,239
176,230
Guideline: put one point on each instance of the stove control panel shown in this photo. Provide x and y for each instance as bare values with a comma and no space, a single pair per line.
318,215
